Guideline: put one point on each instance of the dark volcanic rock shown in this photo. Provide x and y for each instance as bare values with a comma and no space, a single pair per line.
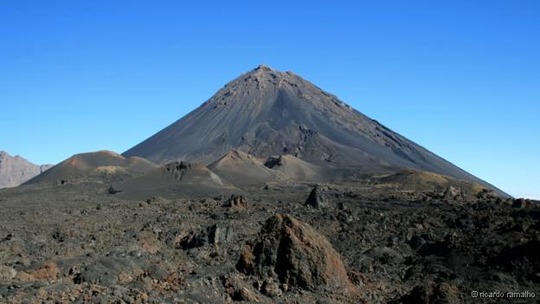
214,235
192,240
519,203
429,293
296,255
87,246
316,198
273,162
237,290
176,170
218,234
237,202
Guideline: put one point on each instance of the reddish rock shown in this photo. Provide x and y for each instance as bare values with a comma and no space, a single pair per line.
48,271
236,202
295,254
238,291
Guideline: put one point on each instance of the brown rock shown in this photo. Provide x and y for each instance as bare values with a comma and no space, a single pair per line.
295,254
270,288
236,202
237,290
244,294
48,271
24,277
447,293
124,278
7,273
149,242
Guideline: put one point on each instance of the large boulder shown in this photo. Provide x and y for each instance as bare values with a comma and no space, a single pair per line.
296,255
316,198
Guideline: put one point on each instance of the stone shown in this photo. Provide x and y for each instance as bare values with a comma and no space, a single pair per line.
453,193
295,254
175,171
214,235
271,288
7,273
237,290
316,198
48,271
274,161
191,240
431,293
219,234
236,202
519,203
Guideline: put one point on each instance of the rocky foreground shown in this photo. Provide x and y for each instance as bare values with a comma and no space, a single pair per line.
332,244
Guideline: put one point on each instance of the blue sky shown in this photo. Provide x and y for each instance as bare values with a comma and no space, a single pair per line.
461,78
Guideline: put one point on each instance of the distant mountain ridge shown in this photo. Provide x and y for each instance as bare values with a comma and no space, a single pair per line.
266,113
15,170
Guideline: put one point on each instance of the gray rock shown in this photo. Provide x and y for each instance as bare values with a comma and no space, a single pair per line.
271,288
316,198
15,170
7,273
215,234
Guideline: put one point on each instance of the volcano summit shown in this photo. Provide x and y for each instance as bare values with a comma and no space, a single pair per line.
265,113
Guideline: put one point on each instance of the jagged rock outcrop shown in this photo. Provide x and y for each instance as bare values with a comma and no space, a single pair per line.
273,161
316,198
295,254
236,202
215,235
176,170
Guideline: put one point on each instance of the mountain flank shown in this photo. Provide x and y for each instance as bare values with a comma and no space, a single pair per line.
267,113
15,170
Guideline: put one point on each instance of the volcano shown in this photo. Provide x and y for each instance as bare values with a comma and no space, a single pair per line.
265,113
272,191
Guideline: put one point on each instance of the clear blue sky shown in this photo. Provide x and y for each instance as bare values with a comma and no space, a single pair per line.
461,78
